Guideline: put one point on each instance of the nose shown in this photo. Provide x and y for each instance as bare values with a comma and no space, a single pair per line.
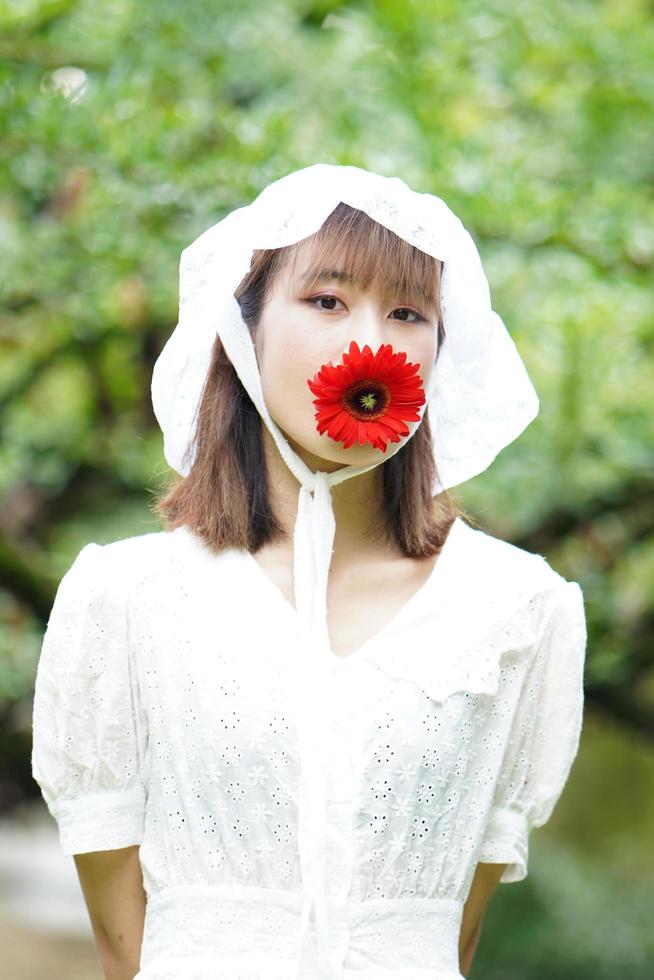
367,325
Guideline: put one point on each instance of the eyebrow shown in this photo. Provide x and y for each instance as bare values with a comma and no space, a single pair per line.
325,275
320,275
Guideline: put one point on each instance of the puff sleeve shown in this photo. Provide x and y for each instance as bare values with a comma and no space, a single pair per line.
545,731
88,732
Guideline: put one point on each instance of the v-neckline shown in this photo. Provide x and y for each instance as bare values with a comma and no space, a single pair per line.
427,586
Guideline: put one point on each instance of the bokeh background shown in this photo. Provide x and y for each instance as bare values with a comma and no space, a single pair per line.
128,128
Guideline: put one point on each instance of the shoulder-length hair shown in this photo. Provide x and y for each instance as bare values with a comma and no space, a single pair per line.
225,496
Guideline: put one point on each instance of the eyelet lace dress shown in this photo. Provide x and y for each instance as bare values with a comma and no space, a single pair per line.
168,714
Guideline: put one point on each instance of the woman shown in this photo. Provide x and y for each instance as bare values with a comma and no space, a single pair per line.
314,719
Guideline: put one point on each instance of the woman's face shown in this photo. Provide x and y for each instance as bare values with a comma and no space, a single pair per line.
301,329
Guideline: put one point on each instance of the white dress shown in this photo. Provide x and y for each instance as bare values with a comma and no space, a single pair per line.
162,718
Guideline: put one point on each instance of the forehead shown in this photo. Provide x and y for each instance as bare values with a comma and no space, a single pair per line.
309,264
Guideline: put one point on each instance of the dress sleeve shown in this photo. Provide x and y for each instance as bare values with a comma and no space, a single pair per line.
88,731
545,732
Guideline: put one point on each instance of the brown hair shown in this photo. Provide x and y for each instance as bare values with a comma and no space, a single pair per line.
225,496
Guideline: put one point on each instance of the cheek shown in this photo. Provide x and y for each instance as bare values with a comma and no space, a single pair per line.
288,359
284,357
420,350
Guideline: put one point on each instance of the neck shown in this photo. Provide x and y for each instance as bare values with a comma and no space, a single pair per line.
356,502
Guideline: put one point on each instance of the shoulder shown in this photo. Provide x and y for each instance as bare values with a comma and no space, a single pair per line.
115,565
501,563
114,554
508,600
506,581
148,547
160,560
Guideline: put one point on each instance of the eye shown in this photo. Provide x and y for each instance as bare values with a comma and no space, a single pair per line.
400,309
317,299
405,309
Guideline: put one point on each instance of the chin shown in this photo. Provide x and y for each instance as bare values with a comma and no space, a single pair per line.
354,456
327,450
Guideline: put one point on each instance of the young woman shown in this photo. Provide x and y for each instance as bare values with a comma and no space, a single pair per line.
304,730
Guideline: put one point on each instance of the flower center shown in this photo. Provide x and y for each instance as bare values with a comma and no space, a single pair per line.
366,400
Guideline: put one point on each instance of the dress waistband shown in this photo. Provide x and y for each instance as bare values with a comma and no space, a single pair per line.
251,933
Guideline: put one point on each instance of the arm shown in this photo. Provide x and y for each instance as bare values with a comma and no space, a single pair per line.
112,885
481,891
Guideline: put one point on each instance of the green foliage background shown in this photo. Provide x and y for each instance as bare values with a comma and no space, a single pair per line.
130,127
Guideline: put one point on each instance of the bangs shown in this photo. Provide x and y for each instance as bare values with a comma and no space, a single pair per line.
352,247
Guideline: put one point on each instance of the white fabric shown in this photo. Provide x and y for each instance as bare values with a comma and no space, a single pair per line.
479,397
168,713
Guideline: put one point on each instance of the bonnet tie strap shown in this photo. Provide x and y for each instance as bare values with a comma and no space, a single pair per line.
313,546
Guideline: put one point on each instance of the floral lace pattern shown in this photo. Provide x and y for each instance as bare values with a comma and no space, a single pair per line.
162,718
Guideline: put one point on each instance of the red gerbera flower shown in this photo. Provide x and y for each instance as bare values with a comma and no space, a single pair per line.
368,398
